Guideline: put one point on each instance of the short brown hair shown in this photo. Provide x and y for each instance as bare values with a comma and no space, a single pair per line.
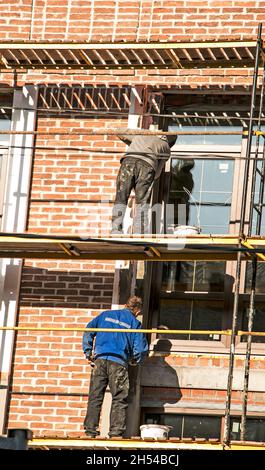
134,303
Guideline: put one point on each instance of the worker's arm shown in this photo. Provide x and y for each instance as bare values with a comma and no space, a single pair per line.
127,139
88,338
139,346
161,165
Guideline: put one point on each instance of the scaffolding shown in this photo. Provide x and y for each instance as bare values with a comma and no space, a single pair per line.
30,55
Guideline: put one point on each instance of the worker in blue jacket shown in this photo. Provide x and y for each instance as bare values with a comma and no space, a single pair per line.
109,354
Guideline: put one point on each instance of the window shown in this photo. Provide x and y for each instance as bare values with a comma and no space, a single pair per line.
202,180
206,426
6,99
259,307
204,188
258,322
255,429
192,426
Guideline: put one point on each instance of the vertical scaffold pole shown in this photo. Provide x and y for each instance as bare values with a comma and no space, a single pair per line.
251,311
226,437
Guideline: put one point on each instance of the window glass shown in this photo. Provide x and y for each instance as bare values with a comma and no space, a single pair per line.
258,322
200,139
191,315
5,125
193,426
179,276
255,429
260,279
203,188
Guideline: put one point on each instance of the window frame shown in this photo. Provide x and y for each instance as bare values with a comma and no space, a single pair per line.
200,412
155,292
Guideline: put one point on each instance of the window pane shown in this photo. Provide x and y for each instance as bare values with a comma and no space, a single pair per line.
173,420
204,189
260,279
207,126
208,427
202,426
179,276
255,429
258,323
191,315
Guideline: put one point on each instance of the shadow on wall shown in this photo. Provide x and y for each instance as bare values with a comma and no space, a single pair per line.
158,374
74,289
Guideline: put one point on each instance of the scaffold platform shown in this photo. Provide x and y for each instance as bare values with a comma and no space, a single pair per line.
124,247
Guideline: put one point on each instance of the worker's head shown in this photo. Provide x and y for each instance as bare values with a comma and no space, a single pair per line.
135,304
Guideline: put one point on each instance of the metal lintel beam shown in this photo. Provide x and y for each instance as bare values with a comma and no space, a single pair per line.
13,45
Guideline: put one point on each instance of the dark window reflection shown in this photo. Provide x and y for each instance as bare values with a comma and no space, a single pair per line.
193,426
192,315
258,323
255,429
204,189
193,276
260,279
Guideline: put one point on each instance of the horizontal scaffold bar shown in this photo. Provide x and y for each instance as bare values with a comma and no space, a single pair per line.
146,248
131,330
115,132
117,330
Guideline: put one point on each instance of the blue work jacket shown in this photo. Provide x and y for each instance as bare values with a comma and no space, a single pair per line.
118,347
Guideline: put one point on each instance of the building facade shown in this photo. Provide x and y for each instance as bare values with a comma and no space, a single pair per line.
65,184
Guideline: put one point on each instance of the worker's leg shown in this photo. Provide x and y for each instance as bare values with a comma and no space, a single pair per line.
98,385
124,185
145,175
119,388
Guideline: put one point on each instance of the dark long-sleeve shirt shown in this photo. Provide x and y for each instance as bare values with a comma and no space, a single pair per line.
152,149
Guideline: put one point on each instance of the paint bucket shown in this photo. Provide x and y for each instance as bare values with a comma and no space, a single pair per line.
154,431
186,230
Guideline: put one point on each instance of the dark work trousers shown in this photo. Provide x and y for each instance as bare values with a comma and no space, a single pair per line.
138,175
115,375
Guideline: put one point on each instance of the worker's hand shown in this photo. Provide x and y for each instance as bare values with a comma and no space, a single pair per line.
90,359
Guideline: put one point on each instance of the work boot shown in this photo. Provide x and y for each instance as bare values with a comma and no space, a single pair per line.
90,434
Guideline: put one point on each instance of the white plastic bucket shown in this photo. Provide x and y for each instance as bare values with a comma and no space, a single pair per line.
155,431
186,230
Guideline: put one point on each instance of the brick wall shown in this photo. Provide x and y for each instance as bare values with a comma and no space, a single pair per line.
50,376
148,20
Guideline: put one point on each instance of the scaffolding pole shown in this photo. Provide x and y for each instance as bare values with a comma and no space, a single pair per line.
258,208
226,437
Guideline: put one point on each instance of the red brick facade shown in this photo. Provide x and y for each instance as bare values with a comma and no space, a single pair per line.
50,376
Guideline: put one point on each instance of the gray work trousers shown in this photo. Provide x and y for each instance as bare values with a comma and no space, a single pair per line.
115,375
134,174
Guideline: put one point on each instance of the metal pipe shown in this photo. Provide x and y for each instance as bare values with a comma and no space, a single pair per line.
116,330
250,129
120,330
248,349
254,260
262,175
117,132
226,437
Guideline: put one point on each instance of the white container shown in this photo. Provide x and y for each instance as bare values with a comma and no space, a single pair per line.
186,230
155,431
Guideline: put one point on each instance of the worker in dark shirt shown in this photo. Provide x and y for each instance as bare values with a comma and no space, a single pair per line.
142,163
